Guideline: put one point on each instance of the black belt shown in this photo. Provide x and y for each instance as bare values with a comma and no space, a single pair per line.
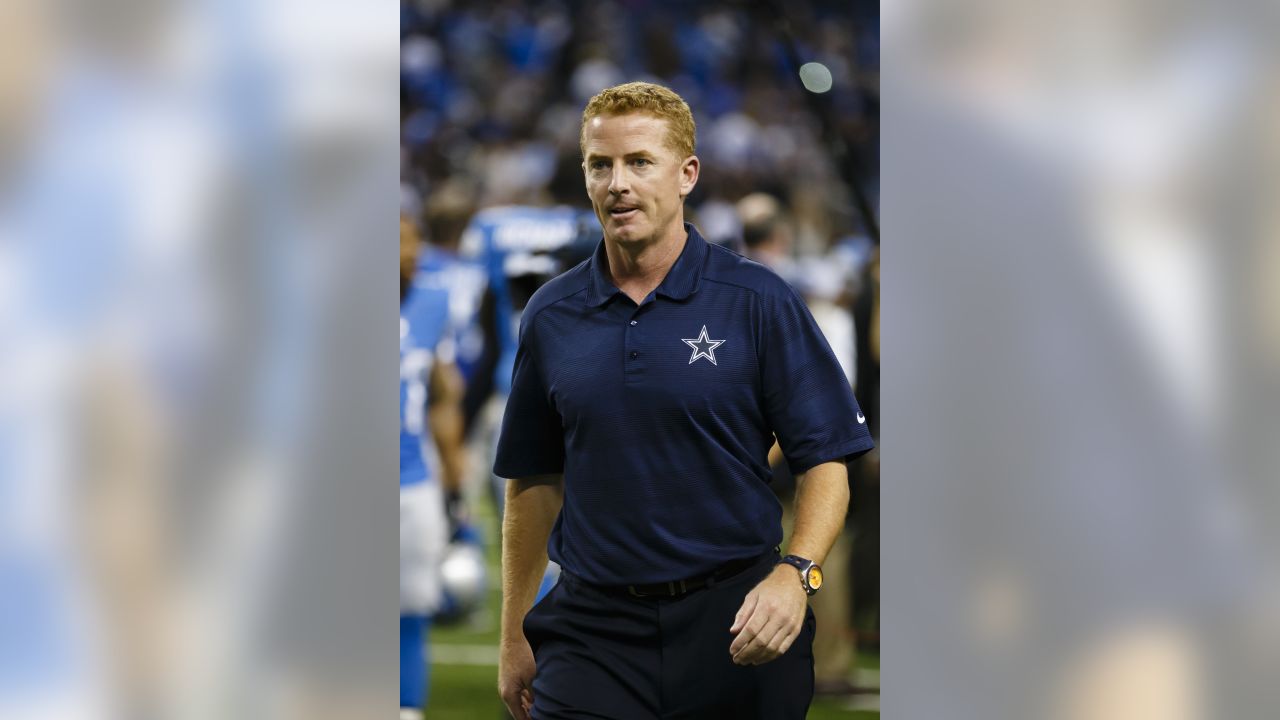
676,588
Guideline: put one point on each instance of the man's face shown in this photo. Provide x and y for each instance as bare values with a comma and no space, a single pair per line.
636,182
408,253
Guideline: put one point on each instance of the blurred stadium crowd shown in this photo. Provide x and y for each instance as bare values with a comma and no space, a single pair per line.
492,93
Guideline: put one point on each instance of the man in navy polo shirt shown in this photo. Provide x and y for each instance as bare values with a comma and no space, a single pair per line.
649,384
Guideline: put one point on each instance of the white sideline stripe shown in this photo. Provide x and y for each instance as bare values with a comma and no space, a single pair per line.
867,677
478,655
864,702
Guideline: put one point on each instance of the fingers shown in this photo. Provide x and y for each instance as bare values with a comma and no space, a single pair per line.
512,704
757,650
788,640
767,643
517,696
776,646
526,704
759,629
516,669
763,651
750,628
518,703
744,612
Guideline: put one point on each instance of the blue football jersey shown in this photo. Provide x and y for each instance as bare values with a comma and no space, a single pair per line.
424,329
464,280
521,248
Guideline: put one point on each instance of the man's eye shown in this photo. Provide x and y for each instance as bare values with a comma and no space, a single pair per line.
599,165
641,162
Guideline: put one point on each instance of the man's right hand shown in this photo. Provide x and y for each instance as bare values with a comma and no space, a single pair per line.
515,677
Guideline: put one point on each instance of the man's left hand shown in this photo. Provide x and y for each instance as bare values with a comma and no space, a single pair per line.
770,618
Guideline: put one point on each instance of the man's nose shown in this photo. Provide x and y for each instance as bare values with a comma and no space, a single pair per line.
618,181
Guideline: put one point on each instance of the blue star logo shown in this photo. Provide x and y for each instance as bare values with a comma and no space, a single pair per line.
703,347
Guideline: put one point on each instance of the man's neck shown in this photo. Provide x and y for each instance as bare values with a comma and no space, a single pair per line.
639,269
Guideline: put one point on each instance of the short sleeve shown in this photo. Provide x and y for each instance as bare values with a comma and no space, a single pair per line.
808,401
532,438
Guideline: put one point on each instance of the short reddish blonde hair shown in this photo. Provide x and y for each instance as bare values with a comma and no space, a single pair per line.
648,99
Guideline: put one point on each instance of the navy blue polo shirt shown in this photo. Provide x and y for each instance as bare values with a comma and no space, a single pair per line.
661,415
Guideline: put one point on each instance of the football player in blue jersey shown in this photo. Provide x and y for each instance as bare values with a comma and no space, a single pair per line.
521,248
448,211
430,401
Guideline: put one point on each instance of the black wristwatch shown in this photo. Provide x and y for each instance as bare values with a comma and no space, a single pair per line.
810,572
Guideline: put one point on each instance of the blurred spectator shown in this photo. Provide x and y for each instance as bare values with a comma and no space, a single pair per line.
766,235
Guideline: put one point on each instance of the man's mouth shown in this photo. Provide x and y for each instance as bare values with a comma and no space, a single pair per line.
622,212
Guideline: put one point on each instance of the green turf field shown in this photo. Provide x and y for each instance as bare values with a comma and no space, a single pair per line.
464,660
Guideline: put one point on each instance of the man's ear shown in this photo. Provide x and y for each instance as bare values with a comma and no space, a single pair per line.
689,175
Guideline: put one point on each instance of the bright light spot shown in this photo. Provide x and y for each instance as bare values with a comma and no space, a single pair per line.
816,77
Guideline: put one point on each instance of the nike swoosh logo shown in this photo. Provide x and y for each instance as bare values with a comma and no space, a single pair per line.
861,419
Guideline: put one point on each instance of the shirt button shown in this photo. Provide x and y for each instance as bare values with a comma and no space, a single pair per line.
633,322
634,354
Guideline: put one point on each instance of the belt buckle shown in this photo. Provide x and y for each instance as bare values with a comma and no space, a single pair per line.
631,590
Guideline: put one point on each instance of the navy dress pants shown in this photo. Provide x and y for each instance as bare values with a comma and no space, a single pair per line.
602,654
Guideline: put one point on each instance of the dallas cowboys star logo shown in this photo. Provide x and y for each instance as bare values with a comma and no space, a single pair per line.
703,347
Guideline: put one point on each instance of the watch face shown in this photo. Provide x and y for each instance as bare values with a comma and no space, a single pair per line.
815,577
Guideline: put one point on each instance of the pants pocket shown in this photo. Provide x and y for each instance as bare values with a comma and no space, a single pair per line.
536,623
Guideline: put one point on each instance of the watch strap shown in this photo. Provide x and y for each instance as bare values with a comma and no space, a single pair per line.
803,565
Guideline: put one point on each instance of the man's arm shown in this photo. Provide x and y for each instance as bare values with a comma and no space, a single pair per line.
531,509
445,419
773,612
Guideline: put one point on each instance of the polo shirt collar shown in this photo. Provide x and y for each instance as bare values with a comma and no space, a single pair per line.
681,280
